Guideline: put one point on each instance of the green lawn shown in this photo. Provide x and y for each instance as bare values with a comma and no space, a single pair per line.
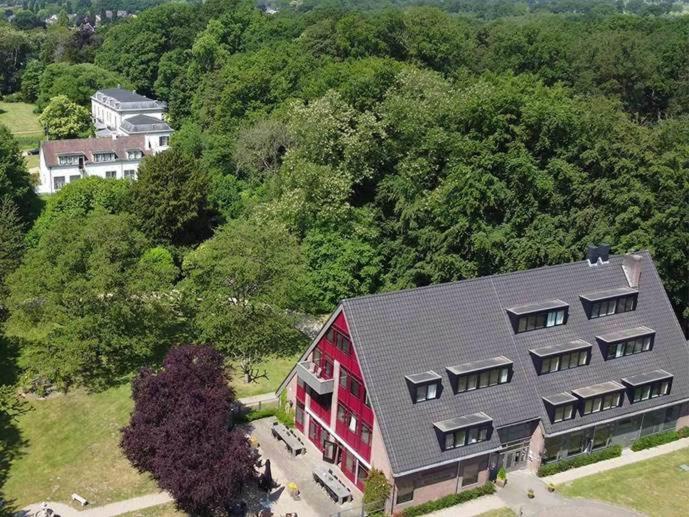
500,512
654,487
163,510
276,370
71,445
22,121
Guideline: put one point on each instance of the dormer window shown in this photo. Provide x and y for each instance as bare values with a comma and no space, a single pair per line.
426,392
464,430
555,358
600,397
611,301
627,342
536,316
104,157
561,406
649,385
424,386
480,374
69,159
134,155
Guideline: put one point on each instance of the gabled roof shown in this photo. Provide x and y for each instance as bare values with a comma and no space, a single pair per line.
436,327
90,146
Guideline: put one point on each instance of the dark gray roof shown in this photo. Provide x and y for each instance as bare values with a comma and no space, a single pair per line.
462,422
144,124
122,95
475,366
544,351
537,307
645,378
419,378
558,399
598,389
608,293
434,327
624,334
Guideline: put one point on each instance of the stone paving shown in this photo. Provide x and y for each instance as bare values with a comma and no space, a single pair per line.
298,469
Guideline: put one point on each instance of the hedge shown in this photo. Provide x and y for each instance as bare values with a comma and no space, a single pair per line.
447,501
579,461
659,439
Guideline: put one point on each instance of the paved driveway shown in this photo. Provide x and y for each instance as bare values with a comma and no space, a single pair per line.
298,469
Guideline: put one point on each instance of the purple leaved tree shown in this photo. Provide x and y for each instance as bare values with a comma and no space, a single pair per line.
180,432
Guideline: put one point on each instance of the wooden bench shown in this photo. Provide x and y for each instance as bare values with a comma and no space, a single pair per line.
81,500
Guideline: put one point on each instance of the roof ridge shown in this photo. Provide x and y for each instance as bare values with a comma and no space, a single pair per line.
476,279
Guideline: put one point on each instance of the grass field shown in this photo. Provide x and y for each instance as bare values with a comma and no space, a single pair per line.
22,122
500,512
655,487
276,370
163,510
71,445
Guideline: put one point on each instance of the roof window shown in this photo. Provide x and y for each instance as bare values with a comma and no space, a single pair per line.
540,315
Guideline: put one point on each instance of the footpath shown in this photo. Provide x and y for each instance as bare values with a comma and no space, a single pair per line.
545,503
512,496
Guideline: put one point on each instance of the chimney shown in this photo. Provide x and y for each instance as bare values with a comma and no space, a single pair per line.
631,265
598,254
114,135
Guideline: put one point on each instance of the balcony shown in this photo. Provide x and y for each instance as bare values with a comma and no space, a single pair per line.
312,376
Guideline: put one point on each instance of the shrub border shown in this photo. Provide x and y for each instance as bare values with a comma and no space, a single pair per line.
653,440
579,461
448,501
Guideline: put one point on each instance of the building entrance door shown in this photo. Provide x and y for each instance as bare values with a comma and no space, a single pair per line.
329,451
515,458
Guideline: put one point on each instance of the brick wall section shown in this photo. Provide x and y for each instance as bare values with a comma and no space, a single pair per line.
536,448
683,420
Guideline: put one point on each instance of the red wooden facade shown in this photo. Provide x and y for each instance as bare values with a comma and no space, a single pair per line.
353,422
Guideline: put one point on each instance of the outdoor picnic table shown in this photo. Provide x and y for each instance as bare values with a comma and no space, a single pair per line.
335,487
294,445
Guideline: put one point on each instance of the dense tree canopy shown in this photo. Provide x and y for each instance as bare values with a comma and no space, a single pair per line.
348,149
77,82
170,198
242,281
86,302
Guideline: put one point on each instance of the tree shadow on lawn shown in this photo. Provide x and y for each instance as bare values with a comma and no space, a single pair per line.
11,441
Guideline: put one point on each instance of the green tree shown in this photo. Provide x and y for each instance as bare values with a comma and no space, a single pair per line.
170,198
15,182
134,48
87,303
15,46
62,19
242,281
63,118
31,78
11,245
80,199
77,82
376,491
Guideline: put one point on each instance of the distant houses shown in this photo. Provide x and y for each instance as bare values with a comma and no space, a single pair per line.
129,126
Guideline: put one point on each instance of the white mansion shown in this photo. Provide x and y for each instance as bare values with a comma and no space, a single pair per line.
129,126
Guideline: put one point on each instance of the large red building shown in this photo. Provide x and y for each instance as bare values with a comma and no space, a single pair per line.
440,386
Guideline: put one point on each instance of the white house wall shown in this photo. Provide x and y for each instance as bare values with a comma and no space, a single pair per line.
48,175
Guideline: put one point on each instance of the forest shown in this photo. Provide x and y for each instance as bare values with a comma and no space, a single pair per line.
333,150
